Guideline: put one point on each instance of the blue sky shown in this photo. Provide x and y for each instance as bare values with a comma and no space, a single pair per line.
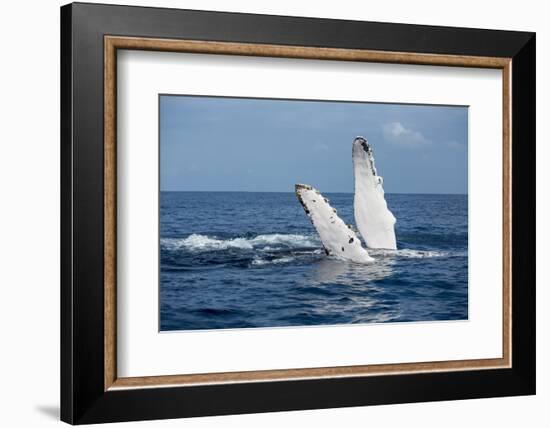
244,144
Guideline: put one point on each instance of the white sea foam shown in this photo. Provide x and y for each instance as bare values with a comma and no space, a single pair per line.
275,241
411,254
202,242
260,262
267,242
292,240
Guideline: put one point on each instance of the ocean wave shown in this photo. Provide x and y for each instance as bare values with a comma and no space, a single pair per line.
413,254
275,242
291,240
267,242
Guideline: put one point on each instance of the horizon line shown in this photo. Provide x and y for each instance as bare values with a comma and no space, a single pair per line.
277,191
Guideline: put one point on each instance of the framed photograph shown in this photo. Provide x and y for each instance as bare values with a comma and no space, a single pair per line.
266,213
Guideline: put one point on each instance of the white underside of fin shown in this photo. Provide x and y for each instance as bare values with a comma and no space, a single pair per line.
338,239
373,219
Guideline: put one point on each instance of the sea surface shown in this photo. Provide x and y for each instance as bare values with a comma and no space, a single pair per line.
242,260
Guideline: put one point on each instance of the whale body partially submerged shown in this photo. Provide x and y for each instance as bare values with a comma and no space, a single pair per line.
372,216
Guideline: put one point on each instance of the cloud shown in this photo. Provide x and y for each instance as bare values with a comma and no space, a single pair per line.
396,133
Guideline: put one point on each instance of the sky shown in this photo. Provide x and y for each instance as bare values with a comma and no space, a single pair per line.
268,145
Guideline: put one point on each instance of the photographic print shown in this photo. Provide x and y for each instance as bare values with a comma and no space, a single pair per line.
280,212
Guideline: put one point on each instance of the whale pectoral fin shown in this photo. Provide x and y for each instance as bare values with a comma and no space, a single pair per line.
338,238
372,216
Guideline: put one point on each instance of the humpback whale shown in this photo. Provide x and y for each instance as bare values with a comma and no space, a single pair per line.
338,238
372,216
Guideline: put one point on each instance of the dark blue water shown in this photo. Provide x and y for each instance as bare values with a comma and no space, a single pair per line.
237,260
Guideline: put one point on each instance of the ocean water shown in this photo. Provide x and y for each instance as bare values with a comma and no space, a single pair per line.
242,260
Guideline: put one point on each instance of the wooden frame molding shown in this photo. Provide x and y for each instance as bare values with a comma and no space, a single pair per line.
113,43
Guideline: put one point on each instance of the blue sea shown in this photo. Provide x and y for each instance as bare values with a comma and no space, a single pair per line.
244,260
